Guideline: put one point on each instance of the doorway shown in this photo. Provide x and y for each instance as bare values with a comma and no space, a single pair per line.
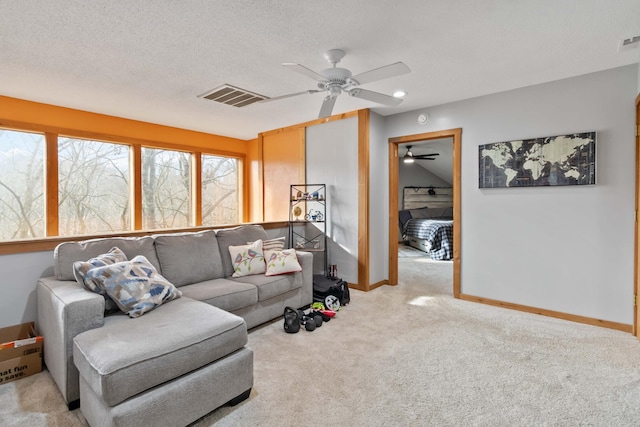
636,275
394,143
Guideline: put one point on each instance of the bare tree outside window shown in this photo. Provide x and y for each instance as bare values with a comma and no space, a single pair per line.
21,185
166,189
220,203
93,187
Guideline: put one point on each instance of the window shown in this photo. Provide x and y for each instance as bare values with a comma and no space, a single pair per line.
93,187
22,210
166,189
220,204
97,191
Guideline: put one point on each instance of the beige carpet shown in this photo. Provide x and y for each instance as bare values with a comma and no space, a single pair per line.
412,355
406,251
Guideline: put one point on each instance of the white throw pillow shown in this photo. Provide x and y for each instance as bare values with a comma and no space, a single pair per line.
247,259
281,262
276,244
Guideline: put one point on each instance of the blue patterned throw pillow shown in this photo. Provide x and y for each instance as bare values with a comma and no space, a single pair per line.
81,268
135,286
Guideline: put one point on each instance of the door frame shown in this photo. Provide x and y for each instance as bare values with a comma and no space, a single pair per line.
636,264
456,134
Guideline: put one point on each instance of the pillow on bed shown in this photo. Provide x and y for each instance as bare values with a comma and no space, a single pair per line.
440,213
420,213
404,216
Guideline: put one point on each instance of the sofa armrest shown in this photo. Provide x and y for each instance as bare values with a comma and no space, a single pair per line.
65,310
306,262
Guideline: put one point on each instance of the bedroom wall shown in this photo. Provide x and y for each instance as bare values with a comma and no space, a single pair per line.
332,159
567,249
414,175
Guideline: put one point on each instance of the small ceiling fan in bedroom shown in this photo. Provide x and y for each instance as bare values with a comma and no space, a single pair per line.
409,157
336,80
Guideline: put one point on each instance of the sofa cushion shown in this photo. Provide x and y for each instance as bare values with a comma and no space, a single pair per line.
271,286
223,293
128,356
135,286
81,270
247,259
281,262
236,237
187,258
65,254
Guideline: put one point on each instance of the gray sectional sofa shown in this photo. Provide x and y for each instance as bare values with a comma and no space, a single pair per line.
179,361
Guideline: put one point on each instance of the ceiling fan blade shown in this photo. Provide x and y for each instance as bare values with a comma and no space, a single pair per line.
380,98
276,98
305,71
425,156
327,106
385,72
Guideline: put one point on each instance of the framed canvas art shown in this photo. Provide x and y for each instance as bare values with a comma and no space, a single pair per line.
553,160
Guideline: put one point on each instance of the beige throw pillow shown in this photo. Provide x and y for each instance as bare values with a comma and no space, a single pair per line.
282,262
247,259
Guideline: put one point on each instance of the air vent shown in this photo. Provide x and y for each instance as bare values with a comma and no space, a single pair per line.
231,95
630,43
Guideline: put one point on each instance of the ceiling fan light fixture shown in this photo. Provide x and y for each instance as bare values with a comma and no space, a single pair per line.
399,94
408,157
336,80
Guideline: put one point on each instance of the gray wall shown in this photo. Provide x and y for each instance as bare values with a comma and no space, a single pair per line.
19,274
568,249
332,159
378,202
414,175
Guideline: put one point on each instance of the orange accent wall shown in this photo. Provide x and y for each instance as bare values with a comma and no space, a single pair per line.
283,159
51,118
253,168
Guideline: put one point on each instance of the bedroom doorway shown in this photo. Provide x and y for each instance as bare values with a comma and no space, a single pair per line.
636,275
394,143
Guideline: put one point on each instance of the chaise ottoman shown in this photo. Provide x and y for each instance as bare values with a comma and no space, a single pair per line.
168,367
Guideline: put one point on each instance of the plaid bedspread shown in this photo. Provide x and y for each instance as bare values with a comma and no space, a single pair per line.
438,232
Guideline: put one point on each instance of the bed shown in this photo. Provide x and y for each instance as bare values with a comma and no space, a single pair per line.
428,228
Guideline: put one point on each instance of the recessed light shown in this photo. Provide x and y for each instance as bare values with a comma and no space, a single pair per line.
399,94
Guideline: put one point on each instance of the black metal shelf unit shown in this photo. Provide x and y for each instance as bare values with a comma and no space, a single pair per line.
307,219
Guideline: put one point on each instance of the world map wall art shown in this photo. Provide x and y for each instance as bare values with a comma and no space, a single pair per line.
552,160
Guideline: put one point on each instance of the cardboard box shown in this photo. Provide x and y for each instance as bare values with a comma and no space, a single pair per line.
20,352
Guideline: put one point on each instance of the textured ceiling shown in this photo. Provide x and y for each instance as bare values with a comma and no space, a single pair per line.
149,60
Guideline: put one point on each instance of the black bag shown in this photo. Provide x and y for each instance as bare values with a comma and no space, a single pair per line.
324,286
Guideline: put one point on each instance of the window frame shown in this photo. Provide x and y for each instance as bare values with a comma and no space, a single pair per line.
52,134
239,185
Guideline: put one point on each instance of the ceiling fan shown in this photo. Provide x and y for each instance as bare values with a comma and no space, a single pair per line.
336,80
409,157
